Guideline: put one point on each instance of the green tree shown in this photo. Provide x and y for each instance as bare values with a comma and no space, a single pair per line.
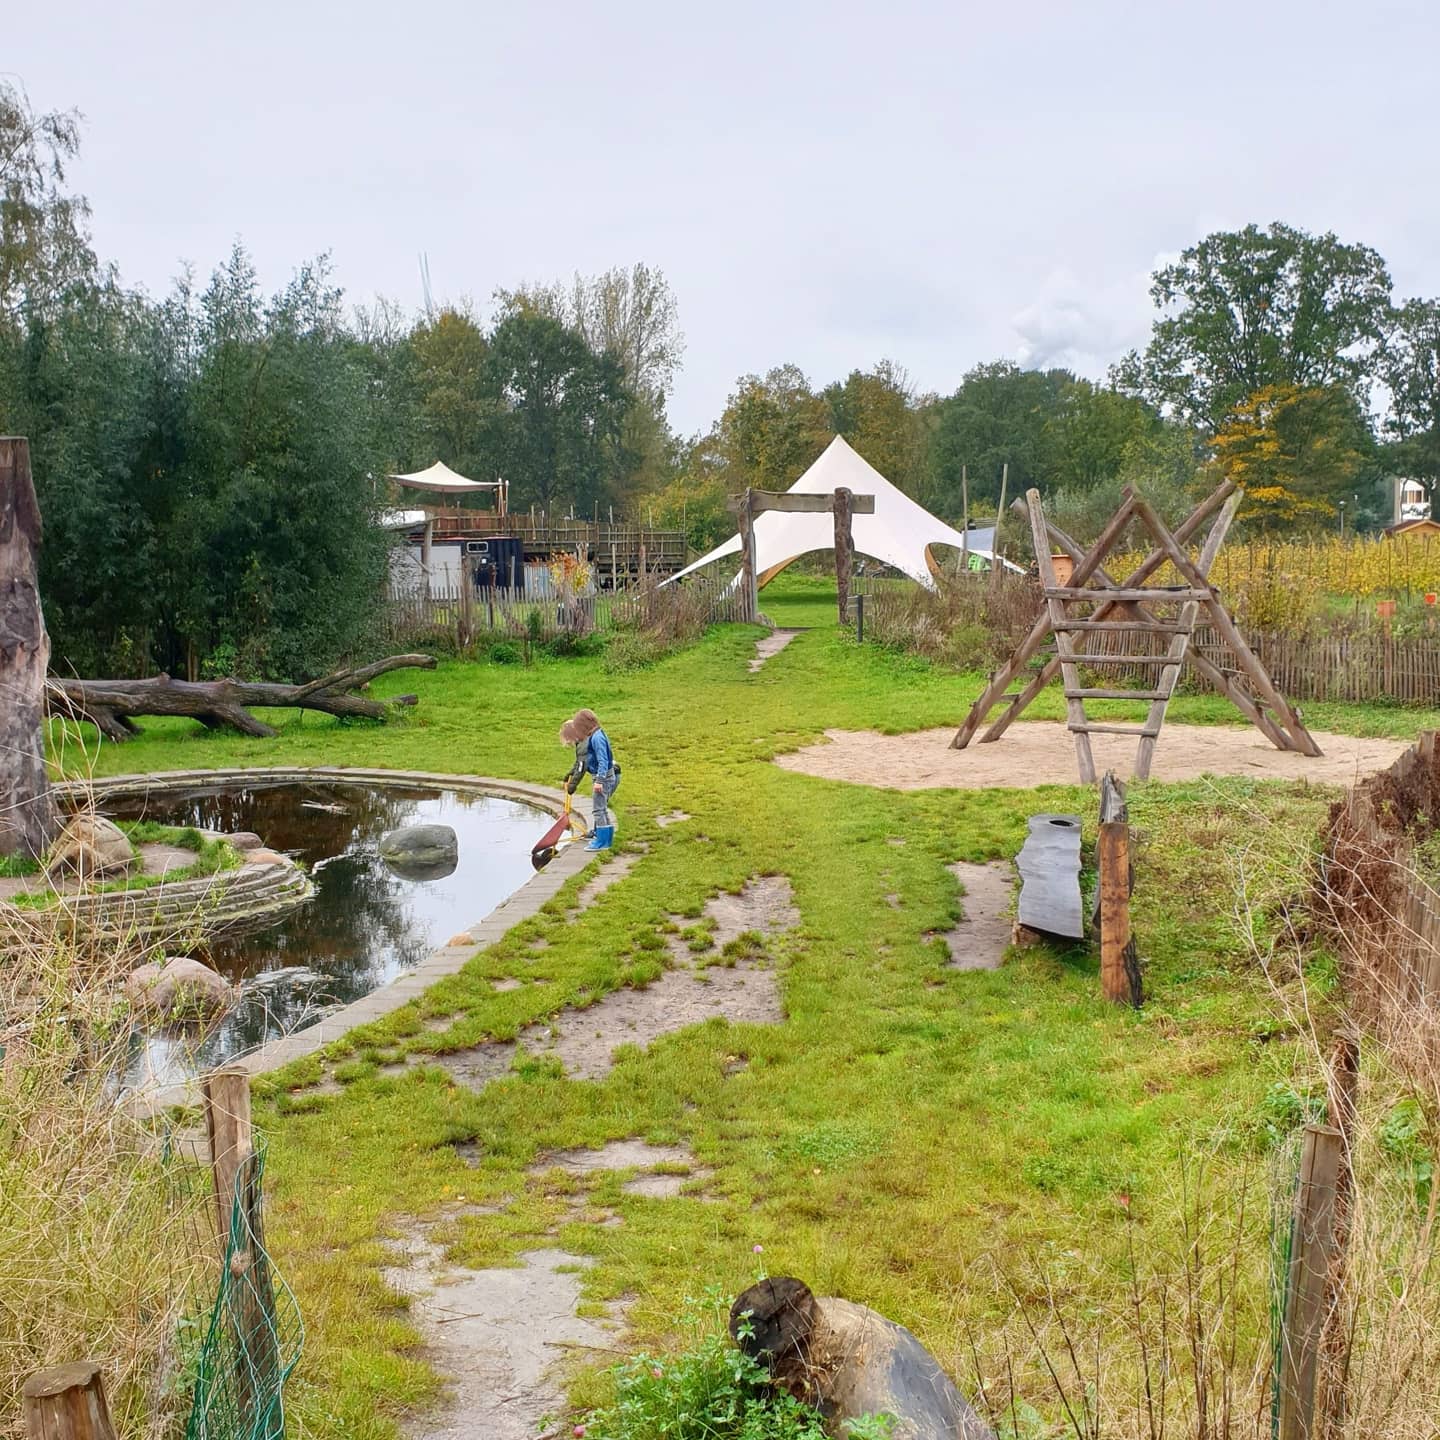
456,396
557,432
773,429
1252,309
1086,438
695,498
1410,370
875,411
44,244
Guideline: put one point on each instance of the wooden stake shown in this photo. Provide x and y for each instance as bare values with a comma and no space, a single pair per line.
1313,1249
28,819
750,596
226,1093
844,552
1119,968
964,519
67,1403
995,565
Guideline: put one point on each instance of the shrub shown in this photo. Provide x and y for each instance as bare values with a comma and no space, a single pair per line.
965,621
504,652
632,650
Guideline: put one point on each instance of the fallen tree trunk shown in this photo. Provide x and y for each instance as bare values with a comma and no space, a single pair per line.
112,705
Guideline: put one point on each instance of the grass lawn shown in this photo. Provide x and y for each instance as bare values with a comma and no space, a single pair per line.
904,1124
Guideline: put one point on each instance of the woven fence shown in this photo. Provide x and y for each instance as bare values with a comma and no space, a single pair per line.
456,614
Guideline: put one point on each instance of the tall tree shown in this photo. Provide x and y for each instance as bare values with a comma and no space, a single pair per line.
875,411
1252,309
455,394
557,431
44,245
1410,371
773,429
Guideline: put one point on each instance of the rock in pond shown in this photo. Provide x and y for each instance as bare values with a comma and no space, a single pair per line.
421,852
178,988
90,845
243,840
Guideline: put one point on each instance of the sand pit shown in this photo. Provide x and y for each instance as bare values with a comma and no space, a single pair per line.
1042,753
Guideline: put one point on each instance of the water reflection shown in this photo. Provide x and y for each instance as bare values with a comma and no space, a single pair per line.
365,925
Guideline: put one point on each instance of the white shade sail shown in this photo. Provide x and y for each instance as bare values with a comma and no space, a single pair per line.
900,533
441,477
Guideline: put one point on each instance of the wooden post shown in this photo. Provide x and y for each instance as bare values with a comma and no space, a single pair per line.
226,1094
995,565
252,1305
749,594
28,821
467,600
859,619
1313,1248
964,519
1119,968
844,552
67,1403
426,542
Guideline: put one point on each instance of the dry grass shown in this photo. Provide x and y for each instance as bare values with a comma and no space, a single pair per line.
971,621
106,1242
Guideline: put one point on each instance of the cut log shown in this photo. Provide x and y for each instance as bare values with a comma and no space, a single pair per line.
28,820
111,705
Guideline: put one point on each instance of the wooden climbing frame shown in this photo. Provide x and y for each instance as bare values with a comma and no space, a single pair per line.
1127,610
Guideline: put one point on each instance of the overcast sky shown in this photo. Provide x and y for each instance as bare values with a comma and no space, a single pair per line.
827,184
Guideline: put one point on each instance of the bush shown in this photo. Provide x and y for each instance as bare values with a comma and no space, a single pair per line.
632,650
573,645
504,652
965,621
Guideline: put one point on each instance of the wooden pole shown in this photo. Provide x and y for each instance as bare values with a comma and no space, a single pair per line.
467,599
844,552
995,565
427,538
28,819
1313,1247
67,1403
226,1093
1119,968
252,1305
964,519
749,594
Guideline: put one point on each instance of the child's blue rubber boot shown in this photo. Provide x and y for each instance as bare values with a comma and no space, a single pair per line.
603,838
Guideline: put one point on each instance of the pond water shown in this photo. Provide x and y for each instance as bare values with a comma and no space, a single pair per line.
365,924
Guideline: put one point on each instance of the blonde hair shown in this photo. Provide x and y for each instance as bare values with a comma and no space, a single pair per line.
568,735
584,724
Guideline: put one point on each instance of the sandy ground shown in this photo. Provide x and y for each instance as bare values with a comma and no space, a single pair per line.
1042,753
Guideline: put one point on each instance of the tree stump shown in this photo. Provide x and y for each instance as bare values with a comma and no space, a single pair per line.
67,1403
28,819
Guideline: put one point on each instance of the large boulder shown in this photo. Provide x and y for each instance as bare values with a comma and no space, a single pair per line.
421,852
849,1361
178,988
91,846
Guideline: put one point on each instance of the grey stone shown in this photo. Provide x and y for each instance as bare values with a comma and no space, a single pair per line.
177,988
90,845
421,852
1049,865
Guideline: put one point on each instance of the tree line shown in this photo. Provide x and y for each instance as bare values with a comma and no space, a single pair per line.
212,464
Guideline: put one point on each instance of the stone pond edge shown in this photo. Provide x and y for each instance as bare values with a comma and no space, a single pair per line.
521,904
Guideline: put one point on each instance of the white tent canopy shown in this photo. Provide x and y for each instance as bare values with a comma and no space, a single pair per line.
900,533
441,477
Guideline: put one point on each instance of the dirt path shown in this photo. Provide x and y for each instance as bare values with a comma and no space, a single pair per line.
1042,753
979,941
770,646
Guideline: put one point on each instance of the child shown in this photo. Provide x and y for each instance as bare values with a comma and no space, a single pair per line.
593,756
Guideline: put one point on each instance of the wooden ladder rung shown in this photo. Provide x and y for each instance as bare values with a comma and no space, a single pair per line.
1086,659
1118,694
1089,729
1122,627
1123,597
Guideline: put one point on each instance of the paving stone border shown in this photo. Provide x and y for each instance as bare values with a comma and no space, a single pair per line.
522,904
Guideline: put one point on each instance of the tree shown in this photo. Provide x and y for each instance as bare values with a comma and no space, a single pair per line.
876,413
1410,370
456,399
1297,453
44,246
772,429
1253,309
557,431
695,499
630,314
1085,439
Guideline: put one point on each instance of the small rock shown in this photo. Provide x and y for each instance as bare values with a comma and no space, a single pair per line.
91,845
243,840
421,852
463,938
178,988
262,856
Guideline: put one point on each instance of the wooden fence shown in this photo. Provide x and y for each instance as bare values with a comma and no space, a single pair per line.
1358,661
457,613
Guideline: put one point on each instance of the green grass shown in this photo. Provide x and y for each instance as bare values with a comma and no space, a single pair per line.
903,1123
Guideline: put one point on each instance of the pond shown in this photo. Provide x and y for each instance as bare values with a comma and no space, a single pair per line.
365,924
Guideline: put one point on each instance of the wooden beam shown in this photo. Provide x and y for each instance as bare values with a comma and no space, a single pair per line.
844,551
791,502
1119,968
226,1093
1075,708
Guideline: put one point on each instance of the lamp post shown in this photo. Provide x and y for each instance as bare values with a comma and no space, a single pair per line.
1342,519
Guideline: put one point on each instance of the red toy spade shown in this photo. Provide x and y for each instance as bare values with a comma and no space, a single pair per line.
545,847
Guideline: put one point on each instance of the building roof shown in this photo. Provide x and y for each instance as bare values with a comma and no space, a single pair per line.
1403,527
441,477
900,533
